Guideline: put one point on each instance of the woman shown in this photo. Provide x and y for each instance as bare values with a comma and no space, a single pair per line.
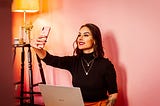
94,74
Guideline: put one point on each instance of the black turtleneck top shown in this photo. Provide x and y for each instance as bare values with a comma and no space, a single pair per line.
95,86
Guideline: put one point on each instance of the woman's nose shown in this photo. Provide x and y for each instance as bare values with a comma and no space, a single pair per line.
81,37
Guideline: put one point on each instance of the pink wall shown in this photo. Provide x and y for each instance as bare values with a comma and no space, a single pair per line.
130,30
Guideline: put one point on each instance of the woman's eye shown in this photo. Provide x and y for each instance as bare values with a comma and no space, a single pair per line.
86,35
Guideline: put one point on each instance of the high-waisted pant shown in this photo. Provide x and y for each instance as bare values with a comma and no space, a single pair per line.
99,103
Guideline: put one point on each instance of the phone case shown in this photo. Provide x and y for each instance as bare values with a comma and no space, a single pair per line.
45,31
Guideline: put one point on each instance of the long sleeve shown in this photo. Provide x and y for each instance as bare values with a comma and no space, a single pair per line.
64,62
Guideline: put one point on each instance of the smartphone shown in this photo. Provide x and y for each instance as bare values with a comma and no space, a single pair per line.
45,32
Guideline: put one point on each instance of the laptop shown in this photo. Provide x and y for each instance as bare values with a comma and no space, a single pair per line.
61,96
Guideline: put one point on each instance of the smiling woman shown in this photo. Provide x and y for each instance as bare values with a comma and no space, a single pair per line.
85,40
94,74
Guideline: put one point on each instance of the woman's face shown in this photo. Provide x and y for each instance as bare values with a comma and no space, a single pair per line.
85,40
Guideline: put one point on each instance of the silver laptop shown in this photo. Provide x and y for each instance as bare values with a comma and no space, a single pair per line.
61,96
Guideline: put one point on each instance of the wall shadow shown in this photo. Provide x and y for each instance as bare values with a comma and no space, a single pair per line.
111,52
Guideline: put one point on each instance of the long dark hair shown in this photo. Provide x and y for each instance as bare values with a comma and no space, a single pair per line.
98,48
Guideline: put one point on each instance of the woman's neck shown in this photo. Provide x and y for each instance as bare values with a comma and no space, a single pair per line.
88,56
88,51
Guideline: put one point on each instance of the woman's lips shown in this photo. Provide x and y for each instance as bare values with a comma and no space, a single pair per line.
81,43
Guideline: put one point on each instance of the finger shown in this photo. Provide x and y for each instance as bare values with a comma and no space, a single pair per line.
41,40
40,46
41,43
40,37
109,104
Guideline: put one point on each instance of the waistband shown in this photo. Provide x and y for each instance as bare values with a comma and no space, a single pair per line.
98,103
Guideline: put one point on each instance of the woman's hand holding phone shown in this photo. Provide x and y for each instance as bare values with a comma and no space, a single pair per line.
40,42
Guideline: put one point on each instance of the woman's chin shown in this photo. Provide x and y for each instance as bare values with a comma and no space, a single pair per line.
81,48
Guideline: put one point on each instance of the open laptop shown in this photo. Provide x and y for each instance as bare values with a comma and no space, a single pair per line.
61,96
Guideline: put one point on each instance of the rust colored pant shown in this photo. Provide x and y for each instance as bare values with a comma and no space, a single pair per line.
99,103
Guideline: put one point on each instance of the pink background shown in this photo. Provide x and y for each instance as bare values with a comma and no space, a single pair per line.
131,35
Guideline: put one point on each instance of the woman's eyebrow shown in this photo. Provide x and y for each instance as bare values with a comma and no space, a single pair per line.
85,33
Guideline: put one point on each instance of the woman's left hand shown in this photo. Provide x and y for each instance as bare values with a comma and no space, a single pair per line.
112,99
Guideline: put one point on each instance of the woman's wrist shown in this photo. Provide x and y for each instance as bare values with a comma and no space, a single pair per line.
112,99
40,52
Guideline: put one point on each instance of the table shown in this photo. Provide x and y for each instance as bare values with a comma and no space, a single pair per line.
31,92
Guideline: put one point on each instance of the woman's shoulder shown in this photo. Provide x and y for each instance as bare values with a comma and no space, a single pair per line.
104,60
